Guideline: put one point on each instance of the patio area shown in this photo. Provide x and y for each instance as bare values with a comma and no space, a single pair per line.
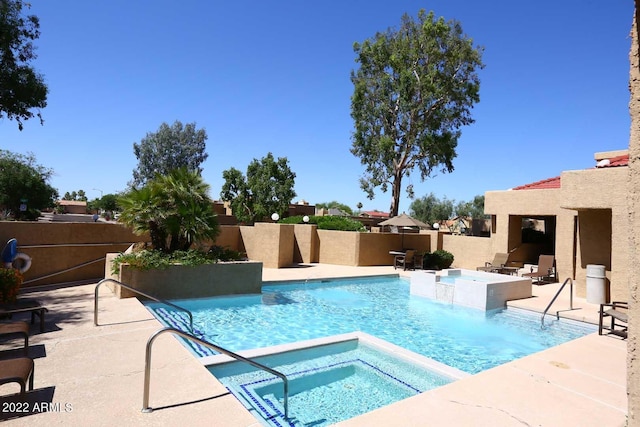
93,375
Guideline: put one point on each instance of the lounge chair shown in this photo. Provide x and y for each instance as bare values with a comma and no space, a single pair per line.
17,370
13,330
546,269
24,305
499,261
617,311
405,261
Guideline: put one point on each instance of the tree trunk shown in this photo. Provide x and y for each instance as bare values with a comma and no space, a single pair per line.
395,195
633,366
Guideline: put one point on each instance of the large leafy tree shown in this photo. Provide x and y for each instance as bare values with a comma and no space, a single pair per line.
472,209
430,209
171,147
413,91
266,189
21,87
175,209
24,185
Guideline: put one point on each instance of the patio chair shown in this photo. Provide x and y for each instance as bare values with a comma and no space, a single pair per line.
499,261
546,269
24,305
405,261
17,370
617,311
12,330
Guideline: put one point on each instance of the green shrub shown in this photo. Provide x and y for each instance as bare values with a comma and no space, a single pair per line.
327,222
155,259
225,254
10,283
437,260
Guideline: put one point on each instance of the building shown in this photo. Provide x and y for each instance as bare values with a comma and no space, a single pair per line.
579,216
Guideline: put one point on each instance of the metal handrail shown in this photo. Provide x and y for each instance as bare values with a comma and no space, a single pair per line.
95,303
183,334
75,267
554,299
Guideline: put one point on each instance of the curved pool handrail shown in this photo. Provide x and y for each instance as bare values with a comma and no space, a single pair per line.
568,279
186,335
95,301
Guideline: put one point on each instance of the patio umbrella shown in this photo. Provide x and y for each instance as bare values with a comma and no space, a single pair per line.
404,220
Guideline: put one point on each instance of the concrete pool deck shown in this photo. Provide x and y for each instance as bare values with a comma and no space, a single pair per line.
93,375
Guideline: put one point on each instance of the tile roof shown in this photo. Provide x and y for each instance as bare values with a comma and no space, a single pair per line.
375,214
540,185
614,162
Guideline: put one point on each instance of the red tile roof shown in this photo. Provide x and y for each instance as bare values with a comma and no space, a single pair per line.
375,214
617,161
614,162
540,185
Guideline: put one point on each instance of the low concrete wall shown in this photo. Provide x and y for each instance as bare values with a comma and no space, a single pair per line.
179,282
55,248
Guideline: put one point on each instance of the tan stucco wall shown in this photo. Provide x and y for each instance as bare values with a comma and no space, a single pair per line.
510,206
468,252
633,243
361,249
306,243
230,237
272,244
54,247
600,196
338,247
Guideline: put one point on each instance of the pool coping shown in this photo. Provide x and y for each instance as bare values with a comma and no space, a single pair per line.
582,382
367,339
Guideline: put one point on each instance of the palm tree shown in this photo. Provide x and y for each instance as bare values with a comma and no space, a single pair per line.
175,210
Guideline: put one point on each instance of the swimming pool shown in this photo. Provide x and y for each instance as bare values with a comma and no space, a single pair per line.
330,379
467,339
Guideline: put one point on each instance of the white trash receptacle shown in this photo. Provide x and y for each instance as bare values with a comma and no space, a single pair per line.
596,284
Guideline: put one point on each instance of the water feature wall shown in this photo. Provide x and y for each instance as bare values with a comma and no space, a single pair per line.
475,289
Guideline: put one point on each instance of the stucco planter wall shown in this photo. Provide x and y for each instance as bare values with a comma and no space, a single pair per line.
180,282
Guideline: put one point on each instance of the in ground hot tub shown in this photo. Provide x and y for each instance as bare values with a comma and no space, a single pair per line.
475,289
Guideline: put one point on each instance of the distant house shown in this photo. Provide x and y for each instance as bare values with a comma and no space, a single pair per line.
375,214
73,206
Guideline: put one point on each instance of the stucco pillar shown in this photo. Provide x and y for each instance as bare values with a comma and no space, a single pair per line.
633,366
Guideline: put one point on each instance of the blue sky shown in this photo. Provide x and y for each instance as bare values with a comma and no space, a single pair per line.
274,77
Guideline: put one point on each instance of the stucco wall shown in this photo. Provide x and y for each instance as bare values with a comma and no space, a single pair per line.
338,247
600,197
272,244
306,243
509,208
633,243
361,249
55,247
468,252
230,237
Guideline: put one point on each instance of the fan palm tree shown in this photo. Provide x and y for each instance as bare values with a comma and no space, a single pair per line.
175,210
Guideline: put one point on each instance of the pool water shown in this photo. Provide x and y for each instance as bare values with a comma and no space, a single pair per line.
327,383
467,339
